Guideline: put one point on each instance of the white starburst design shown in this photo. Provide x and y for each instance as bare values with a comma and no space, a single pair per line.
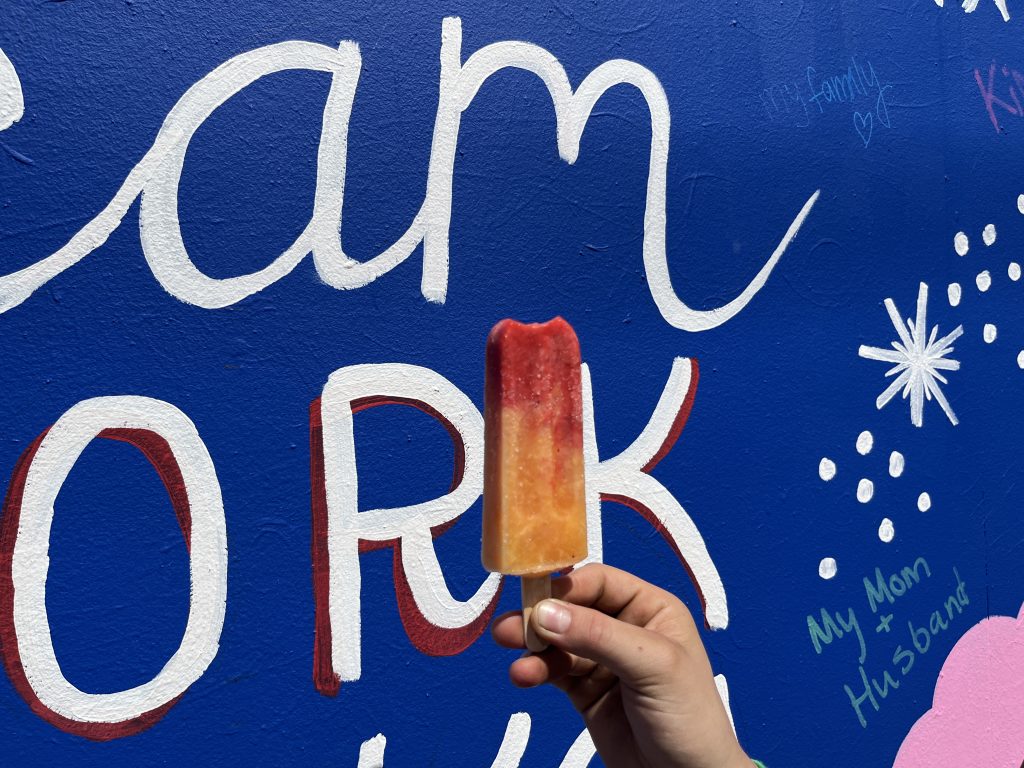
917,360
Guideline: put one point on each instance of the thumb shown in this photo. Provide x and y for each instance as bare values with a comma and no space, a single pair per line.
634,654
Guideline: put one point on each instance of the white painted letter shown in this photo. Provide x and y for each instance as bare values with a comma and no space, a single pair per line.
157,175
435,621
170,441
459,86
624,478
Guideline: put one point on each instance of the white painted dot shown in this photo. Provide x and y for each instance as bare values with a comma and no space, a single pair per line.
954,294
988,234
827,568
989,333
960,244
826,469
983,281
1020,203
865,442
896,464
924,502
865,490
886,532
1013,271
1020,359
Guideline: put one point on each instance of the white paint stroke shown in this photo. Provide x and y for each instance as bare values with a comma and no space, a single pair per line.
347,525
513,745
988,234
896,464
581,753
961,244
1013,271
158,173
865,490
621,477
924,502
886,530
208,562
459,86
970,6
826,469
371,753
1020,203
722,685
917,358
827,568
953,292
1020,359
983,280
157,176
591,458
865,442
989,333
624,476
159,228
12,100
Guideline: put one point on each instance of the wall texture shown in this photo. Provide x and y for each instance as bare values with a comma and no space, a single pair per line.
250,253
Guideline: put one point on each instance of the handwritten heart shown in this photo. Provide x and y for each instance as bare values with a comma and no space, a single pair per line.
864,125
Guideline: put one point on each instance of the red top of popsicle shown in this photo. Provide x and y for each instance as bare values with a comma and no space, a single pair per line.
535,362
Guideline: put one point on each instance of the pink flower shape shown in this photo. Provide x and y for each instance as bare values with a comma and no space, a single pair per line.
977,714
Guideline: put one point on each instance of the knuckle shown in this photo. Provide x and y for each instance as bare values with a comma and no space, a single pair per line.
596,632
684,616
676,656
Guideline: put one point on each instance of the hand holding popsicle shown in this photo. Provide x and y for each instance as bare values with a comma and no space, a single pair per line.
626,653
630,658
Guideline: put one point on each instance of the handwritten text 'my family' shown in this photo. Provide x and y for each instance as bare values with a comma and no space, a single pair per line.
856,88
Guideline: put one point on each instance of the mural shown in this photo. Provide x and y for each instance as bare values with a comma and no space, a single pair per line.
242,444
978,696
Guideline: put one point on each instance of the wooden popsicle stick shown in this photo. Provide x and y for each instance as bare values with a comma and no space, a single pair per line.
535,589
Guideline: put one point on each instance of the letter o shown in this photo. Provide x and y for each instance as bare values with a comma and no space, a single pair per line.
897,586
170,441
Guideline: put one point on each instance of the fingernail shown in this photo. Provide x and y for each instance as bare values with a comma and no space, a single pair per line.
553,616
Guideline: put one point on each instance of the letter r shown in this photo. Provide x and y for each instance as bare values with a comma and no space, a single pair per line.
434,620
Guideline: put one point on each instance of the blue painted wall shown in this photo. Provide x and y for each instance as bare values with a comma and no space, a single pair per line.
781,384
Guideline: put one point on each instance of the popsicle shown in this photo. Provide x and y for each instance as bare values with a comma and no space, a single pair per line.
535,520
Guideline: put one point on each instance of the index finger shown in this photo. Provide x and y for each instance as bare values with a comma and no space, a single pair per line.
614,592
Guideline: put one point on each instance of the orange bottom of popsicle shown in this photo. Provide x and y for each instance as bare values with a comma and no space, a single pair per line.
534,511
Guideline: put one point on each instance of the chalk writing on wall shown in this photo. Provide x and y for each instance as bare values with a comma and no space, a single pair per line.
856,91
881,591
1001,89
